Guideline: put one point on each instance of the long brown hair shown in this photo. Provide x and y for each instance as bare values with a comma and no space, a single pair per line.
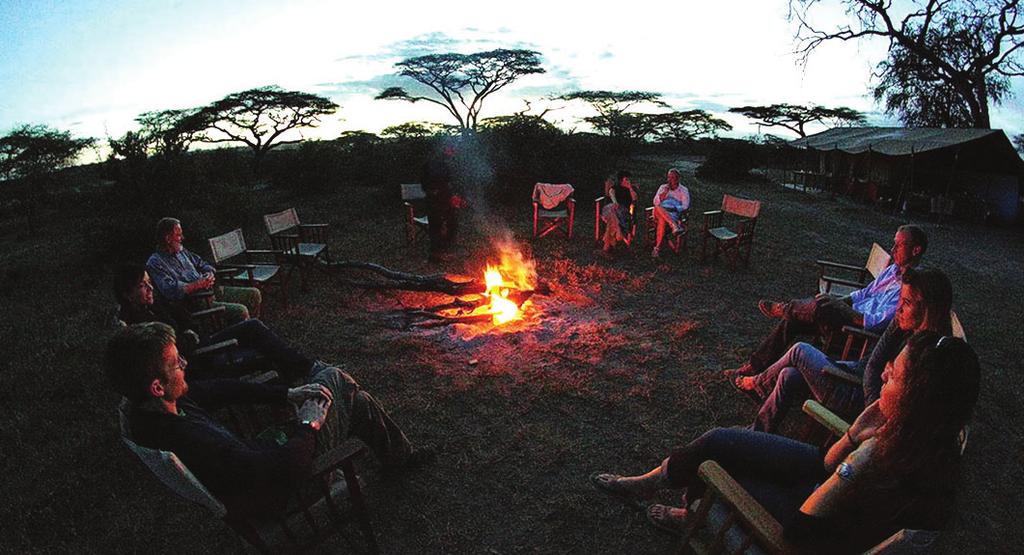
917,447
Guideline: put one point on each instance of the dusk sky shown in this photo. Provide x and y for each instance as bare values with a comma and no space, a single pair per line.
91,66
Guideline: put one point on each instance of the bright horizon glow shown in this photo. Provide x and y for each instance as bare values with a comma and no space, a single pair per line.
92,66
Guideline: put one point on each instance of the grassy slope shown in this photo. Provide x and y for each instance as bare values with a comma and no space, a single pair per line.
624,366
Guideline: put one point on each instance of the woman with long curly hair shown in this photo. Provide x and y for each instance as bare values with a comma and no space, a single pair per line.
895,468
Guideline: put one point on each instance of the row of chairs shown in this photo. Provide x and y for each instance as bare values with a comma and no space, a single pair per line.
729,229
294,247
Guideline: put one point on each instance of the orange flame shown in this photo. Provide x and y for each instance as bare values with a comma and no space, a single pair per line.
514,272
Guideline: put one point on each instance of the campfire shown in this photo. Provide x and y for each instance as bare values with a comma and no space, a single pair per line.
509,286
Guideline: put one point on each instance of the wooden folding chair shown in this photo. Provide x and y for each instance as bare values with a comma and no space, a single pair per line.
414,200
301,245
675,242
559,217
261,533
842,279
250,274
742,215
599,204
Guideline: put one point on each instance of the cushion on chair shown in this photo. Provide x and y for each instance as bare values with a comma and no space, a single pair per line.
722,233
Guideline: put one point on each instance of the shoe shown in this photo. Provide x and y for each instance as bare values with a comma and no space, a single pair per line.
654,253
661,517
751,394
771,309
608,484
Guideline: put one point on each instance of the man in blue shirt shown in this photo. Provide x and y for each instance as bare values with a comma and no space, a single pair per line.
871,307
178,273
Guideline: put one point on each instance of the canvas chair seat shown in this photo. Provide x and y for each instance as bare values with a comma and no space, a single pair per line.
261,273
554,209
309,250
723,233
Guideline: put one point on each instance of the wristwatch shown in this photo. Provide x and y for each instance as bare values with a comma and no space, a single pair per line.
845,471
314,424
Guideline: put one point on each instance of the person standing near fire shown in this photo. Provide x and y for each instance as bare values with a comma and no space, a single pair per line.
618,214
442,220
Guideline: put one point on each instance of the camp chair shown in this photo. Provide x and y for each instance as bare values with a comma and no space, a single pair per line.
854,277
414,200
173,473
728,519
552,210
675,242
599,203
231,245
302,245
742,215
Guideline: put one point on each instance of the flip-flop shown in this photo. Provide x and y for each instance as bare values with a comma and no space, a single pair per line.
751,394
665,523
745,370
606,487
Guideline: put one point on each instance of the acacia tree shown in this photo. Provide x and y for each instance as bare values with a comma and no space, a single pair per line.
31,154
795,117
256,117
460,83
948,59
614,119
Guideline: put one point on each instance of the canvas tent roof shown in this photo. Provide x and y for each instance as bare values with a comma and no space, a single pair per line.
892,141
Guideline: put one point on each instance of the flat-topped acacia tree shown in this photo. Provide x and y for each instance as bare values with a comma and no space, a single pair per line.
460,83
258,118
795,117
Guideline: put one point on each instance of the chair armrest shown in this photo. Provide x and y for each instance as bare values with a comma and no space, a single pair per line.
237,267
337,456
225,271
209,311
215,347
830,264
841,281
843,375
260,377
760,523
599,200
857,330
314,226
837,426
262,251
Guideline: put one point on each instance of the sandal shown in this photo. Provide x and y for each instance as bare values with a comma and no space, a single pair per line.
609,485
751,394
662,518
745,370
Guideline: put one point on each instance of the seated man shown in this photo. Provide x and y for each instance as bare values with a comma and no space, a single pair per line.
617,215
670,203
137,305
926,298
871,307
251,477
178,272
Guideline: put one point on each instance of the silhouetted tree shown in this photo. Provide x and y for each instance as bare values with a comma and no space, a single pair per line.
614,119
948,59
795,117
416,130
1018,142
460,83
31,154
258,118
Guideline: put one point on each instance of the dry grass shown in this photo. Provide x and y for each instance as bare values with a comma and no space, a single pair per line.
618,364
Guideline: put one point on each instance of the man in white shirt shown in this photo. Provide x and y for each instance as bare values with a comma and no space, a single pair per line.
670,205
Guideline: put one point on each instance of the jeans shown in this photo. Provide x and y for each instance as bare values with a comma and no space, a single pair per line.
777,471
256,339
795,376
801,317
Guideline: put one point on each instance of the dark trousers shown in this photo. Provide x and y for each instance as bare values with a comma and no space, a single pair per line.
255,340
801,317
780,473
442,223
357,413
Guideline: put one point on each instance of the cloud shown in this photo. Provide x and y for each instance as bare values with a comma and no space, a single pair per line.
471,39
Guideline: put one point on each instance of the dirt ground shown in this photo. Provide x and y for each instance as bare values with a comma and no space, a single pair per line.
620,362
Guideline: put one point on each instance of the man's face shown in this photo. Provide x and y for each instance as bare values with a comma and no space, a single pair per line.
903,249
173,381
673,180
142,295
175,238
911,310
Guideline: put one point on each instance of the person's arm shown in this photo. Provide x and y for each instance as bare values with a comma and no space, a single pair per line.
200,264
165,280
213,394
660,195
685,197
888,346
611,195
820,516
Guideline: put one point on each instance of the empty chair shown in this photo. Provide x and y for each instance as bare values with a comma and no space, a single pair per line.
250,274
731,228
301,245
554,209
414,200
